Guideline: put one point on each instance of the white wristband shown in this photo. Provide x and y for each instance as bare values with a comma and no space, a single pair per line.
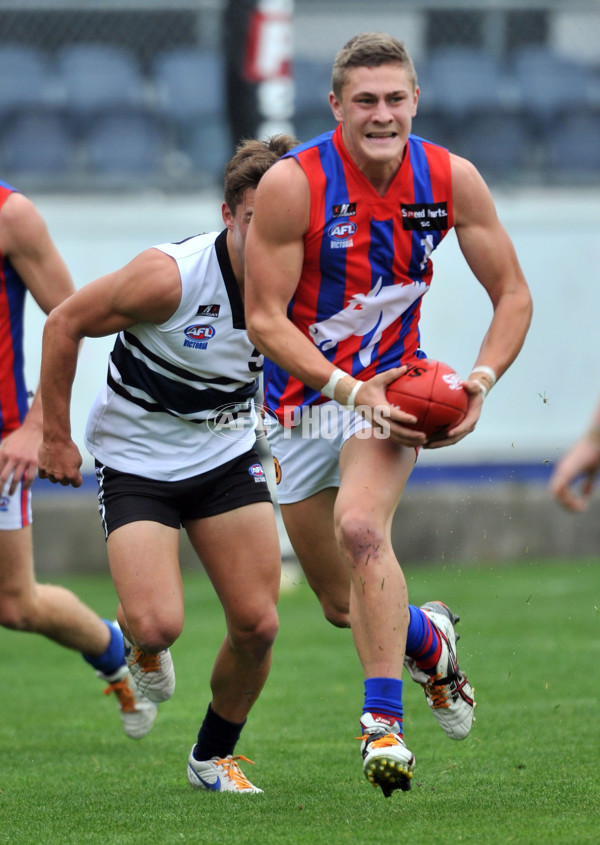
329,389
481,368
352,397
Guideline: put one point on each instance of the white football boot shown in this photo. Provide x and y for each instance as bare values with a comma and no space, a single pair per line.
387,762
153,674
137,712
219,774
447,691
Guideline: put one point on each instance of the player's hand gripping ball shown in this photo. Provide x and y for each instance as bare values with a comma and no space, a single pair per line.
433,393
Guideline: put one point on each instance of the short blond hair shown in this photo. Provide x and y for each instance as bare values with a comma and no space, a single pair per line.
370,49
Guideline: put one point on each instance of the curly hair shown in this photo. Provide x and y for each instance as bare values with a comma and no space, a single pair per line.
250,162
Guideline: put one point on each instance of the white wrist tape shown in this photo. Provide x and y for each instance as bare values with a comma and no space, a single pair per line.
352,397
484,390
481,368
329,389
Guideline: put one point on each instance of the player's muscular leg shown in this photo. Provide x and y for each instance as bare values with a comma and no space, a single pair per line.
241,555
373,475
144,563
310,527
44,609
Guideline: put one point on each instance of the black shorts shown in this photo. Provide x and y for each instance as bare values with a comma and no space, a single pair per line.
125,498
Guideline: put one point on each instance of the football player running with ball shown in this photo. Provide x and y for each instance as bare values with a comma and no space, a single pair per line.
181,360
338,258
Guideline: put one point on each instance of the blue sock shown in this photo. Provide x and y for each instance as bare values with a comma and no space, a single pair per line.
114,656
422,640
384,696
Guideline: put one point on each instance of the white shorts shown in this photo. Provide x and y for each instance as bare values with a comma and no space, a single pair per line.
307,455
15,510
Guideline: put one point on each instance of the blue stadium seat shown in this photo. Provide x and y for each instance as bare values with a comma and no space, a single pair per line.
207,146
312,80
459,81
129,147
549,83
38,144
499,144
25,79
433,126
190,86
97,78
312,112
573,149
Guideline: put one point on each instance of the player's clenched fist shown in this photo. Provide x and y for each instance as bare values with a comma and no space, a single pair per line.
60,463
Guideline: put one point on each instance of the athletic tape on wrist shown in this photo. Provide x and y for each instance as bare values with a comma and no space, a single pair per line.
481,368
352,397
329,389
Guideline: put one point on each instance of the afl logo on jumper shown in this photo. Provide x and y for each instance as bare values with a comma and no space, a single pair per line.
340,234
340,231
257,472
197,336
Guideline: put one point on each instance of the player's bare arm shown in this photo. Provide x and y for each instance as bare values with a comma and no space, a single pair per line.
274,255
491,256
148,289
24,238
574,476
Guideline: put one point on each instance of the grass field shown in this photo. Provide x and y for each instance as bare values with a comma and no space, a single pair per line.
528,772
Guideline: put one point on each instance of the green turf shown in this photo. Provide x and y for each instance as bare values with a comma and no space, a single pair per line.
528,772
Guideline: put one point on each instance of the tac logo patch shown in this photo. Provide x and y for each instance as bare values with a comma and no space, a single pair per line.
4,503
208,310
344,209
426,216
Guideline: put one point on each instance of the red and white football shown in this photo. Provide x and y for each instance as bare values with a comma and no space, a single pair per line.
432,392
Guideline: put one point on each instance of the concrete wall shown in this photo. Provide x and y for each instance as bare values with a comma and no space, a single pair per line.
435,524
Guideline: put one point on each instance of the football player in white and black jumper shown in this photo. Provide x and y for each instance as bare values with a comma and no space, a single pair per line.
181,367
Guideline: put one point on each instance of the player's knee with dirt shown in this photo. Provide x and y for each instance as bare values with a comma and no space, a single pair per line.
360,539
